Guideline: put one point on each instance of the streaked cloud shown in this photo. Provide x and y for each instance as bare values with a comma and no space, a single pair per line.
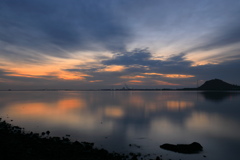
58,27
89,44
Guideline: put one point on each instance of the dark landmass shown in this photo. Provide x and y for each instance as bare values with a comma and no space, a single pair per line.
217,84
16,144
194,147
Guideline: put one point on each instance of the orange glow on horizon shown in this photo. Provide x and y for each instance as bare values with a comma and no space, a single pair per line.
171,75
164,83
135,81
112,68
132,77
93,81
72,75
51,68
45,72
178,76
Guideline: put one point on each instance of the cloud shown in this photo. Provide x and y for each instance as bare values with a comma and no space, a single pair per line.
137,68
222,38
142,57
135,57
224,31
139,71
140,68
86,31
59,26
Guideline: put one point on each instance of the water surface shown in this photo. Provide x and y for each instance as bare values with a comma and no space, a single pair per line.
144,119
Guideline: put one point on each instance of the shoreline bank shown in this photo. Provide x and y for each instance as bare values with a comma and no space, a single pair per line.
15,143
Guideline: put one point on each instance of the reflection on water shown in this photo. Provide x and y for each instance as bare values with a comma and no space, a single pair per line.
116,119
214,125
219,96
179,105
113,112
61,111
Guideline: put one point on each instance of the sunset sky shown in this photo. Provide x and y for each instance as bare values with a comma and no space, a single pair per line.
93,44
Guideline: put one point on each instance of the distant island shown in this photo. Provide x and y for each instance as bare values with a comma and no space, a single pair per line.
217,84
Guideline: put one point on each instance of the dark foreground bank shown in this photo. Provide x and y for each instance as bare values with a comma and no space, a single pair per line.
16,144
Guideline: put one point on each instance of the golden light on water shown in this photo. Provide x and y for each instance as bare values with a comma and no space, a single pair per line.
54,111
115,112
179,105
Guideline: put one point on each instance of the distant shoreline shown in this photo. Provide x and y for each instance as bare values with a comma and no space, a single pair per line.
184,89
211,85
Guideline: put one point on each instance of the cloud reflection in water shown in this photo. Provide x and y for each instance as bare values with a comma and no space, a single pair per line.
110,118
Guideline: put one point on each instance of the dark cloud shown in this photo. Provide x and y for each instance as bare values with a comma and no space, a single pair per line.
58,26
142,57
135,57
78,69
175,64
140,61
71,25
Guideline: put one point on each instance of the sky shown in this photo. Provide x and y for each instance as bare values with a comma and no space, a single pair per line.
93,44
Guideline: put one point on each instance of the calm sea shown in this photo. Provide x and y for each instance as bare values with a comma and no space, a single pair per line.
145,119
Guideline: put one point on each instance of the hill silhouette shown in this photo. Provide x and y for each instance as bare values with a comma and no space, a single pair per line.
217,84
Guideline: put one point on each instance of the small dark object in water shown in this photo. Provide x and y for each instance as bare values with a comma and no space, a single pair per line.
183,148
